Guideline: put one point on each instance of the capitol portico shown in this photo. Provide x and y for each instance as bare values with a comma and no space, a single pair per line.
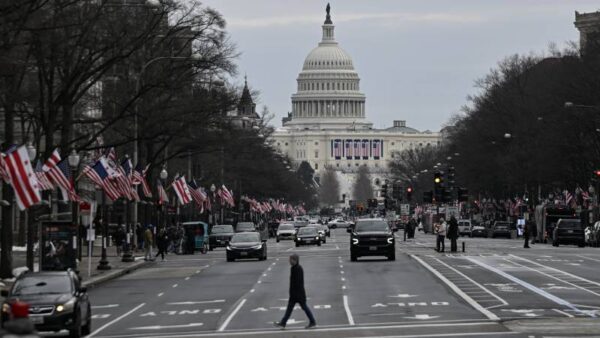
327,126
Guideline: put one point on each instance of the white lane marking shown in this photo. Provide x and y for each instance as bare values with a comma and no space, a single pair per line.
479,285
108,306
563,313
231,315
348,313
343,287
558,287
175,285
187,278
160,327
264,275
342,272
198,302
161,294
458,291
591,259
557,270
343,279
526,285
115,320
197,271
476,334
252,291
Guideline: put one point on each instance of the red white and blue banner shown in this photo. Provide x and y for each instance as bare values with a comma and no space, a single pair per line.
348,149
356,149
336,149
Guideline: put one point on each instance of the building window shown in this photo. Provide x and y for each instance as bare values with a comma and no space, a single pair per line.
393,143
337,165
357,164
316,166
376,165
316,143
286,144
316,154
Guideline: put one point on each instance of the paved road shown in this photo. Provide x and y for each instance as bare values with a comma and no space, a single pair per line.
495,289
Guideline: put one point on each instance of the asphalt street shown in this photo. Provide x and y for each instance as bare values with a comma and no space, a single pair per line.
496,288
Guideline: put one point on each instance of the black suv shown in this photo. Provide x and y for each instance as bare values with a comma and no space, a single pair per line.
56,299
568,231
371,237
220,235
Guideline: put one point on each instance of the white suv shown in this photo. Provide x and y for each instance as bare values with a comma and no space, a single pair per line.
464,227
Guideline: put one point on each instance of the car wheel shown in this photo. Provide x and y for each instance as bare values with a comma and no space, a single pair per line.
230,258
325,240
277,239
353,257
319,243
75,332
87,328
297,244
210,248
329,234
581,244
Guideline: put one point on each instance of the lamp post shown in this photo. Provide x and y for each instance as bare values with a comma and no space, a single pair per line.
212,205
73,160
32,152
163,177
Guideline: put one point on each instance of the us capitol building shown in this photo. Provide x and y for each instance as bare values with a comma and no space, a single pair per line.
328,127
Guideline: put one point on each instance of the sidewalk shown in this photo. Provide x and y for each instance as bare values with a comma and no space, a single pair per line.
91,277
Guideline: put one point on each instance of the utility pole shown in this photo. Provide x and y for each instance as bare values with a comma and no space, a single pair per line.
6,233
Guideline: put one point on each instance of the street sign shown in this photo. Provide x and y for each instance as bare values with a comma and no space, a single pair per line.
405,209
451,211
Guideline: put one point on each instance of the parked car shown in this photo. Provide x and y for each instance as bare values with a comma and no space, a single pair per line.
308,235
220,235
56,299
245,227
246,245
372,237
464,227
568,231
478,231
501,229
286,231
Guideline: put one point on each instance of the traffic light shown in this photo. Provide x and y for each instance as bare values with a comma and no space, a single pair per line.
463,195
437,178
597,173
397,191
384,190
409,191
451,177
428,197
446,195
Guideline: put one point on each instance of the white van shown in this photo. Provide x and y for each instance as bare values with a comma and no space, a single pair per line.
464,227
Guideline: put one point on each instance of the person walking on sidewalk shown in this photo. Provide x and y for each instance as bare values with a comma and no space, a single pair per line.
148,242
297,294
441,235
453,233
162,243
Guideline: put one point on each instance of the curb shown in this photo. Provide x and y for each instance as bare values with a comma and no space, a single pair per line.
95,281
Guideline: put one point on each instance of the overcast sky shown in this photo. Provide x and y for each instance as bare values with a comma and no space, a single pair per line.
417,59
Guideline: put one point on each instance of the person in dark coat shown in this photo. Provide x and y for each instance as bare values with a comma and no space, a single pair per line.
453,233
526,234
297,294
162,243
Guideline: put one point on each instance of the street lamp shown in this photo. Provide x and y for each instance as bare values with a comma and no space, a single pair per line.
31,152
163,177
73,160
212,205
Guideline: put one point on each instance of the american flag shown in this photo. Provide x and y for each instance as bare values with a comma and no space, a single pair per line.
61,175
357,150
100,174
348,148
182,191
226,196
3,169
122,180
207,203
139,177
377,153
568,197
52,161
197,195
111,154
337,149
42,178
365,149
163,198
22,178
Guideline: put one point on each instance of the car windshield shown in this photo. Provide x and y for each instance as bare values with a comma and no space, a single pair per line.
245,237
502,225
34,285
245,226
574,224
377,225
219,229
307,231
286,227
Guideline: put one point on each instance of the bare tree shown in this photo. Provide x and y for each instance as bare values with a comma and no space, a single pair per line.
362,189
329,191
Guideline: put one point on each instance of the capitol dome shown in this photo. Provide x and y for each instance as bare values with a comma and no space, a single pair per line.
328,94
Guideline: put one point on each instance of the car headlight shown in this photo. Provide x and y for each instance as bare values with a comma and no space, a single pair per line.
317,237
228,247
257,246
390,240
66,307
355,241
